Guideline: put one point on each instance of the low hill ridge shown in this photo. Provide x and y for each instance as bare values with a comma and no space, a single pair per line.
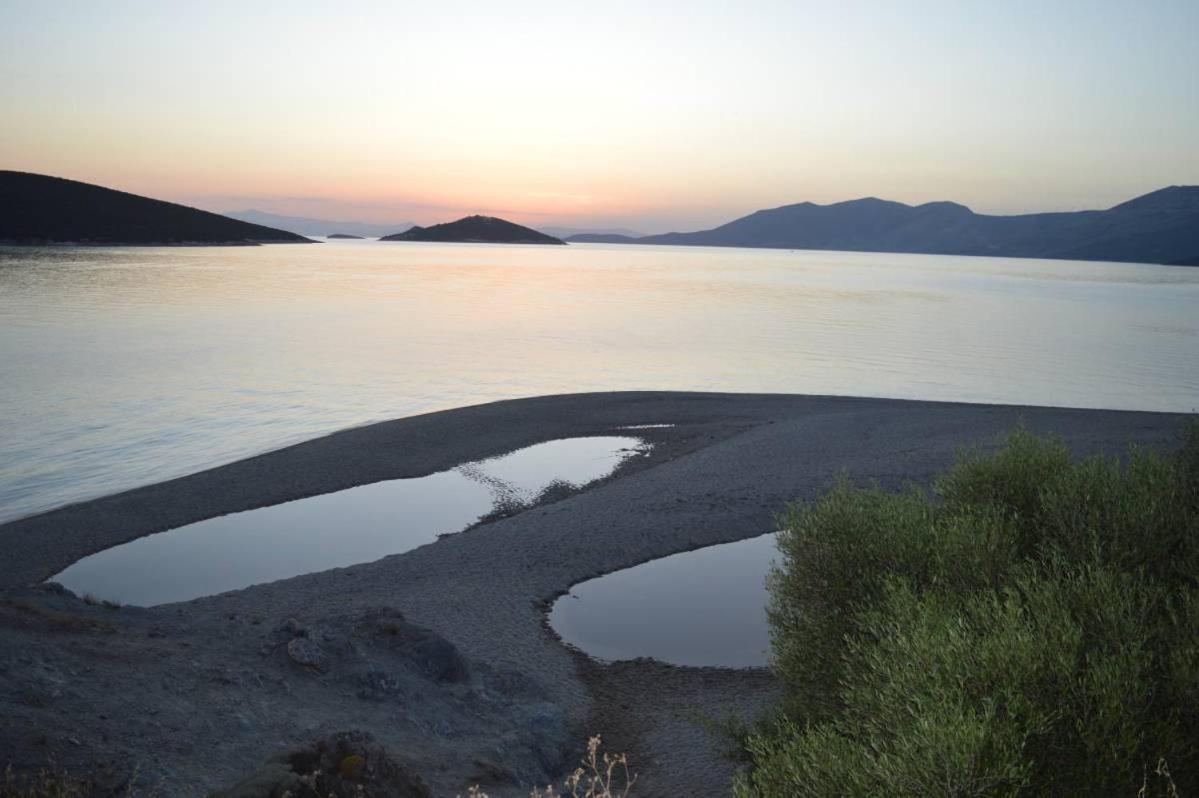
39,209
1159,227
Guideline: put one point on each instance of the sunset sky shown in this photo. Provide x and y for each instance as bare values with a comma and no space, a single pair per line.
654,116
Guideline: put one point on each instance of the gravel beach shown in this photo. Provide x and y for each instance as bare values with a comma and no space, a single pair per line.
442,653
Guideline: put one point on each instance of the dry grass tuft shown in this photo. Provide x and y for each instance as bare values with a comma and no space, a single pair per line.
52,782
43,784
1160,782
93,601
28,614
600,775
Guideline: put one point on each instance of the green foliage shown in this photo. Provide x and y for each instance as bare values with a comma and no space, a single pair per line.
1032,629
835,556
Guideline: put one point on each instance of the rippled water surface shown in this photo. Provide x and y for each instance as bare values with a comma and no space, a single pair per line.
120,367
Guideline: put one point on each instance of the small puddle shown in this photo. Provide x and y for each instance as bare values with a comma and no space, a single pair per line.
701,608
334,530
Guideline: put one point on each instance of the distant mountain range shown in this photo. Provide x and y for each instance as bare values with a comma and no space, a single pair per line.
476,230
1160,227
567,232
38,209
307,226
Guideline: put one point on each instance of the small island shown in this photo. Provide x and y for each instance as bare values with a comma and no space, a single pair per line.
476,230
345,236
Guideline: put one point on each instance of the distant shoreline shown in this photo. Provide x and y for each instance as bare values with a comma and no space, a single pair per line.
696,245
1159,227
99,244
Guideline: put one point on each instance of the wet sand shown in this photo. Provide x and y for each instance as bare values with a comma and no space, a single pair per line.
197,693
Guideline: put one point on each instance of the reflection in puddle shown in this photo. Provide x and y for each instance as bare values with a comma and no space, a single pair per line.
703,608
338,529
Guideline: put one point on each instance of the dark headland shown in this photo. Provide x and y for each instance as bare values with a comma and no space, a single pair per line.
1159,227
476,230
39,209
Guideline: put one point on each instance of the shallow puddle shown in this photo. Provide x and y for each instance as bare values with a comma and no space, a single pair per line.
334,530
702,608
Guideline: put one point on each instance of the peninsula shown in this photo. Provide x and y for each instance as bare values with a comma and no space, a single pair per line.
476,230
442,652
39,209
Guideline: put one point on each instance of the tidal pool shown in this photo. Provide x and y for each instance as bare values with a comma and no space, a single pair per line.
702,608
334,530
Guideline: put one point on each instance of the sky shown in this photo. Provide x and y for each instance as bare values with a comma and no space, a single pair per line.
651,115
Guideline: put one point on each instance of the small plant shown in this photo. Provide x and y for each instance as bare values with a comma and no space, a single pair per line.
42,784
600,775
107,604
52,782
1160,782
36,615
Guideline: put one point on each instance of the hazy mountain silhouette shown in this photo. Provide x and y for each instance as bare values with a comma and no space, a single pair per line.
569,232
307,226
344,235
38,209
1160,227
604,238
476,229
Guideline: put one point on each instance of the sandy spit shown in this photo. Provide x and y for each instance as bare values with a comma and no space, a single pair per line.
196,695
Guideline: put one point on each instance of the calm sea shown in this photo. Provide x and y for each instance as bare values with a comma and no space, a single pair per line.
120,367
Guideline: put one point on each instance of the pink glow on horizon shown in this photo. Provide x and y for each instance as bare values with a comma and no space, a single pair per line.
655,116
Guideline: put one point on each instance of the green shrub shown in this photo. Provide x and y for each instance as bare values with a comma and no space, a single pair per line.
1032,629
835,555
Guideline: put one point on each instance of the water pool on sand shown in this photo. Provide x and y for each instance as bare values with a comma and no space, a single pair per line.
334,530
705,607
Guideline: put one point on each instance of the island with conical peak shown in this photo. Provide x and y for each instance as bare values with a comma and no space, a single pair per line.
476,230
40,209
1159,227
